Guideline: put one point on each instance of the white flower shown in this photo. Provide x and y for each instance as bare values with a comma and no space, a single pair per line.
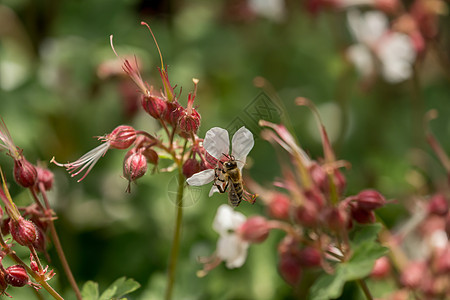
230,247
394,50
217,143
274,10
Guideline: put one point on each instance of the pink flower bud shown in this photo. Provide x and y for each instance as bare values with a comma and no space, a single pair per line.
309,257
189,123
413,274
134,166
279,206
17,276
122,137
25,173
23,231
40,243
254,230
289,268
381,268
370,200
45,176
438,205
190,167
307,214
155,106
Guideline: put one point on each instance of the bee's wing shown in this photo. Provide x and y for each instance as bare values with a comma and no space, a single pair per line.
213,190
201,178
242,143
217,142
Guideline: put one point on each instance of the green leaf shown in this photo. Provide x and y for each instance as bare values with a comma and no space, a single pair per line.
365,251
119,288
90,291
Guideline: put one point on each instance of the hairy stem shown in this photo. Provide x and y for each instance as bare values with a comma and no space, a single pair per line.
36,277
176,236
58,246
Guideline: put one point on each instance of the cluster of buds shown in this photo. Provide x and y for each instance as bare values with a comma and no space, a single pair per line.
313,210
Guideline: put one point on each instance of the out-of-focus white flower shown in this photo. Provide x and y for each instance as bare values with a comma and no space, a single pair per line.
394,50
217,144
231,248
272,9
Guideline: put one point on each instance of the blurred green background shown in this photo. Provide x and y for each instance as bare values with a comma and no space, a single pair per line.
54,99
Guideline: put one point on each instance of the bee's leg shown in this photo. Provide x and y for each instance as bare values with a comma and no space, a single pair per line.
220,188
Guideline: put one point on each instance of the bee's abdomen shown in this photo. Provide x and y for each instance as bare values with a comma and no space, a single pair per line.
236,194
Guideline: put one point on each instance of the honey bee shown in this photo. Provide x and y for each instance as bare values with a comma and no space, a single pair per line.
229,177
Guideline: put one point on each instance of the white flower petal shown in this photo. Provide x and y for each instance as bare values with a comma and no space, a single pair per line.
217,142
213,190
397,55
201,178
367,28
241,144
361,57
227,219
232,250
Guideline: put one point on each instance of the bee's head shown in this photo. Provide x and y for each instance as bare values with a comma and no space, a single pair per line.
231,164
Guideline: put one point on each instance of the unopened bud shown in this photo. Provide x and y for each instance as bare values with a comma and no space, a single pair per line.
413,275
443,261
17,276
362,216
370,200
309,257
155,106
335,218
189,123
381,268
438,205
122,137
173,113
279,206
45,176
190,167
40,244
23,231
151,156
290,269
25,173
255,229
134,166
307,214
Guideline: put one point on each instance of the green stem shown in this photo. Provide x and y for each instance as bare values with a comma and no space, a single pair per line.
365,289
176,237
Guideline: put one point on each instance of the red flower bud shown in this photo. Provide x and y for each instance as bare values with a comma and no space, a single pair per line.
25,173
254,230
443,261
40,244
173,113
279,206
189,123
335,218
134,166
370,200
190,167
309,257
17,276
155,106
151,156
45,176
362,216
307,214
121,137
289,268
381,268
23,231
438,205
